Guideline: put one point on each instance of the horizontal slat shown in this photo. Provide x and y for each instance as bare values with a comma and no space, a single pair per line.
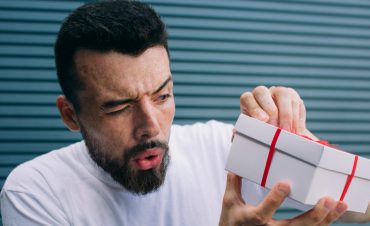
267,48
39,28
233,102
255,80
38,147
31,51
26,15
259,15
44,86
354,8
305,93
6,135
28,39
256,59
38,99
342,8
25,62
40,5
225,69
11,160
27,75
266,37
190,11
32,123
28,111
4,171
251,26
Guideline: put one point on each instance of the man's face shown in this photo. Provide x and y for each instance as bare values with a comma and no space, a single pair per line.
127,108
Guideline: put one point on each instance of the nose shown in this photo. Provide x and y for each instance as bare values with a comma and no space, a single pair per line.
146,120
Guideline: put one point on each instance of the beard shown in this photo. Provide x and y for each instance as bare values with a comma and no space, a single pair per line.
139,182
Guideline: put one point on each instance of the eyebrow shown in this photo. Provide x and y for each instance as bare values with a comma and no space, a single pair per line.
114,103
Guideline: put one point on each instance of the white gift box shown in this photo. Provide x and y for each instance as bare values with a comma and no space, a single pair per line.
265,154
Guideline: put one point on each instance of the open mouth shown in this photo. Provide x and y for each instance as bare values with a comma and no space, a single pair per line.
148,159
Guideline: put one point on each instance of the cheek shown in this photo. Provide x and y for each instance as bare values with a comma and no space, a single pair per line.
110,132
168,115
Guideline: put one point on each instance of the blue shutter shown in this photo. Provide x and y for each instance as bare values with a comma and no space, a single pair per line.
219,49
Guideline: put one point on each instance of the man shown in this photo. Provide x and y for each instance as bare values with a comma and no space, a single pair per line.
134,167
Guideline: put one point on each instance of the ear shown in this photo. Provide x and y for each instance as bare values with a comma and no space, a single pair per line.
68,113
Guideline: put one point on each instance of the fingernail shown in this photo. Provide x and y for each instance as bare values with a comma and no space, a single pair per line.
341,208
329,204
283,189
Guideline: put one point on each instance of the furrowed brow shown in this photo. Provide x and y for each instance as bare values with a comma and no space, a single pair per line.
163,85
115,103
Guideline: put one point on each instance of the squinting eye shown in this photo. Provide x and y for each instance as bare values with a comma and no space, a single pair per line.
119,111
164,97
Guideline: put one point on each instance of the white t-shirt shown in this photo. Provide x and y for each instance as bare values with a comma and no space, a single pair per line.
65,187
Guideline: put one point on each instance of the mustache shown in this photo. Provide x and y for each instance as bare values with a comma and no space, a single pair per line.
142,146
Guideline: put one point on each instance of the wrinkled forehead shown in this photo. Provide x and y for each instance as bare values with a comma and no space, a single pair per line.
113,74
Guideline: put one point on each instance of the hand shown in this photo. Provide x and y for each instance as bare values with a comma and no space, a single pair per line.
236,212
279,106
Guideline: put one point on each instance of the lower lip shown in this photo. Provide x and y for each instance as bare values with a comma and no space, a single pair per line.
146,164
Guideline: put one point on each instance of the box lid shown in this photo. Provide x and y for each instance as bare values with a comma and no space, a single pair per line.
302,148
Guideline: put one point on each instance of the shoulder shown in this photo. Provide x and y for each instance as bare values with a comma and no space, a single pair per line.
34,173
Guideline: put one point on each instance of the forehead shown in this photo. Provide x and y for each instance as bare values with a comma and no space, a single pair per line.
117,75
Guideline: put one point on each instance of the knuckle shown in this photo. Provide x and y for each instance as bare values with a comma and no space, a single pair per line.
245,96
285,116
273,112
259,219
281,89
228,200
318,215
260,89
276,199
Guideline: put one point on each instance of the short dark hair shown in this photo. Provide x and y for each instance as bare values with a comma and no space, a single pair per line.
128,27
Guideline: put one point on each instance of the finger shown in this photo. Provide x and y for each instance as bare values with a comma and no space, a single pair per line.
264,99
295,112
233,190
334,215
302,117
249,106
283,99
296,108
272,202
316,215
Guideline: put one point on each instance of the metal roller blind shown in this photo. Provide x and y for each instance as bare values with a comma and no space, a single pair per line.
219,49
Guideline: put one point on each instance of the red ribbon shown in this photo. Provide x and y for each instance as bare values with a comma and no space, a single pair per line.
270,157
323,142
349,179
